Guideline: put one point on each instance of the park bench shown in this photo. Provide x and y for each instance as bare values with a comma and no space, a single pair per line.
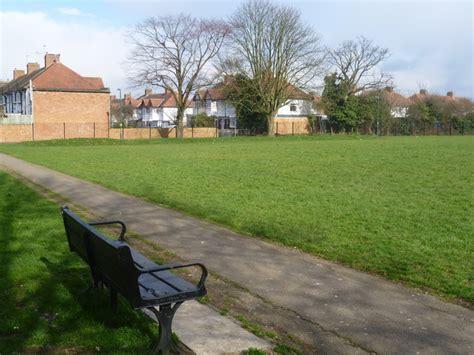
143,283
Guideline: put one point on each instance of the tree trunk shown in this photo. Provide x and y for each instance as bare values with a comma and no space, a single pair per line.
179,123
271,127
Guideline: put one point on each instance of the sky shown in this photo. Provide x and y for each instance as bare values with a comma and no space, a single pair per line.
431,42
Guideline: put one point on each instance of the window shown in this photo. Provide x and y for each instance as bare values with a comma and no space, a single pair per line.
293,108
227,123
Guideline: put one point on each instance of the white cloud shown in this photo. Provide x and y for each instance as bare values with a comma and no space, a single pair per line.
91,49
70,11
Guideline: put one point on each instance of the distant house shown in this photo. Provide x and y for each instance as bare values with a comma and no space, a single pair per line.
215,102
159,110
54,94
399,104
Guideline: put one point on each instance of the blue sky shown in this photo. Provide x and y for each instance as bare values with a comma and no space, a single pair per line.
432,43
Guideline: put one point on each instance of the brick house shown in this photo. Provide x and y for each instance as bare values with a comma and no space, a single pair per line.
54,94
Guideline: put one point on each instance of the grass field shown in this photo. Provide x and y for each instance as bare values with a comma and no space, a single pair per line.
42,308
398,206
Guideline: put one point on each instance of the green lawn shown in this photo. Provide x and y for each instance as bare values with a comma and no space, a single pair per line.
399,206
42,308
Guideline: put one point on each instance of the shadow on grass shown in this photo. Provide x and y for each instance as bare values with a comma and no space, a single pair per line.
43,308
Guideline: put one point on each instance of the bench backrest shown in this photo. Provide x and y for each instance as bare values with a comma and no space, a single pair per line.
114,263
110,261
76,230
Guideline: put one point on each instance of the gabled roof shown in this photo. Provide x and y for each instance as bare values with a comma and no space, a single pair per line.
218,92
133,102
161,100
397,100
56,77
21,82
298,94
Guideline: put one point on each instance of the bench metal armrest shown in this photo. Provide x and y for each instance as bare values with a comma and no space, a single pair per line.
177,265
122,232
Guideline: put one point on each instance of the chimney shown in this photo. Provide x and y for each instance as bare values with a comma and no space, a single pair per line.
17,73
388,89
113,97
148,92
50,58
127,97
423,92
450,94
32,67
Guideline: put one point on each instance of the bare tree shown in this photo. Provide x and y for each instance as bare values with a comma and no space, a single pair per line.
175,53
273,47
356,63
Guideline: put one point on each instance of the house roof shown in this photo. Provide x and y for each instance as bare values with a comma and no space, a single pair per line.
298,94
218,92
133,102
56,77
394,98
161,100
397,100
21,82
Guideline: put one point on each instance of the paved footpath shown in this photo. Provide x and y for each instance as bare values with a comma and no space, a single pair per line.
352,310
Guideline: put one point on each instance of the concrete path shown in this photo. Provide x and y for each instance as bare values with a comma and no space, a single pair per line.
206,332
367,312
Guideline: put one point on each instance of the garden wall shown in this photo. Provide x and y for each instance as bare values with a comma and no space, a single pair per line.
289,126
12,133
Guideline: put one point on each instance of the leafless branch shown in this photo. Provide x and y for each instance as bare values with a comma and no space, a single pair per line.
175,53
357,63
271,44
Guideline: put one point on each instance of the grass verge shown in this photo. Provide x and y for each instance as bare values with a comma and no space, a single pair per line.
43,309
401,207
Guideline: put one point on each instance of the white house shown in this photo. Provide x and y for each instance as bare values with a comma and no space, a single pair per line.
214,102
399,104
159,110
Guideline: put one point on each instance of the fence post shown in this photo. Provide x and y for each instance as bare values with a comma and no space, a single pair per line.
276,129
216,127
33,131
450,127
292,128
108,131
64,130
94,130
149,132
192,131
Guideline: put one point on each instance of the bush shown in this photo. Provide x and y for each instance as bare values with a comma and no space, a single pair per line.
203,120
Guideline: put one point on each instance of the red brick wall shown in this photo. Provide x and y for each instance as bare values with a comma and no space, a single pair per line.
15,133
70,107
288,126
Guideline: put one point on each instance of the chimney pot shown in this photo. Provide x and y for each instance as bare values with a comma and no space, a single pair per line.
148,92
18,73
423,92
389,89
50,59
32,67
127,97
450,94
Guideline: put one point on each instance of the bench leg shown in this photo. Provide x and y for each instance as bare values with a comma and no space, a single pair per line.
165,318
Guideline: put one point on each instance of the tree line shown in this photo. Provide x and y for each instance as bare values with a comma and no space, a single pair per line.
268,50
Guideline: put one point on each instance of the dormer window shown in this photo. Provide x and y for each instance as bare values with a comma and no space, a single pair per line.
293,108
